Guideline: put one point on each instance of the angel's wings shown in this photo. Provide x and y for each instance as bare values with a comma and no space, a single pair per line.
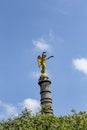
39,59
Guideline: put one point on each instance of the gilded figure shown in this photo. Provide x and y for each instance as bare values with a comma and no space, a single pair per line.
42,62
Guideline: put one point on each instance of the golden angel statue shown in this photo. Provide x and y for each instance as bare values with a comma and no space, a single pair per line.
42,63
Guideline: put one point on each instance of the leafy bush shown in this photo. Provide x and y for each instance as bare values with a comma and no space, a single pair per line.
27,121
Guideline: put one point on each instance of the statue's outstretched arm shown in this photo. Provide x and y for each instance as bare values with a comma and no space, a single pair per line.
49,57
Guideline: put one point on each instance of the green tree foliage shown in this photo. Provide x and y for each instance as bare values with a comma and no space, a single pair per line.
27,121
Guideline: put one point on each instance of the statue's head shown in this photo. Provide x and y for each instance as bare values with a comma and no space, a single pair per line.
44,54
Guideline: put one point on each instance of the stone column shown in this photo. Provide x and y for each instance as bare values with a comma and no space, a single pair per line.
46,101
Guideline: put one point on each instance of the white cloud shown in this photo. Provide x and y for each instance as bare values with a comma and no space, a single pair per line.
49,43
31,104
8,110
51,36
55,38
41,45
36,74
80,64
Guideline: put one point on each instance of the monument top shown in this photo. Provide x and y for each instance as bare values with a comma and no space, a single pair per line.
42,63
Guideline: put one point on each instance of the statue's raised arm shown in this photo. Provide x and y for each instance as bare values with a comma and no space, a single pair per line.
42,63
49,57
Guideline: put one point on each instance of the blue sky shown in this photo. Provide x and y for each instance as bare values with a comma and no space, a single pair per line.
27,28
